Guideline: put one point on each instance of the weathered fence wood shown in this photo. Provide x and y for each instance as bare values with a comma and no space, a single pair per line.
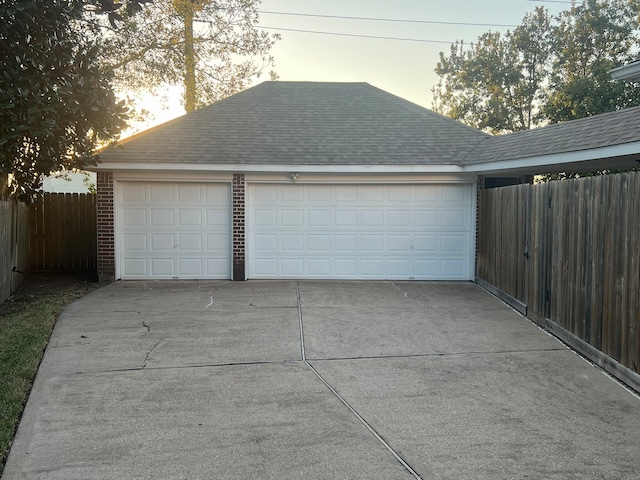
63,232
570,251
14,246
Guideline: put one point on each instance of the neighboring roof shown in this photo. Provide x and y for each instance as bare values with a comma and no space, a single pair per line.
596,132
629,72
304,123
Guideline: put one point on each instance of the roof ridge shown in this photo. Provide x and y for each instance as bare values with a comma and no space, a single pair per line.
426,110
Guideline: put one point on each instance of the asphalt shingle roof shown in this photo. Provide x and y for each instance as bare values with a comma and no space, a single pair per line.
305,123
598,131
320,123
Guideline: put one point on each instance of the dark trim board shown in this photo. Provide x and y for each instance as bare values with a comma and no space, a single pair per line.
602,360
505,297
605,362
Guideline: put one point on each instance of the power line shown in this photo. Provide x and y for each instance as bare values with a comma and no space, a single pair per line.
398,20
355,35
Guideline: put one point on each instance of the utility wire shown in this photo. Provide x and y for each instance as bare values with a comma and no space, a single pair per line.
354,35
398,20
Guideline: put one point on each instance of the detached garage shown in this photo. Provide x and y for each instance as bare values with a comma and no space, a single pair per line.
292,180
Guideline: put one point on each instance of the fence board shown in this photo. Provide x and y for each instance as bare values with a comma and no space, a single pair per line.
14,246
583,270
63,232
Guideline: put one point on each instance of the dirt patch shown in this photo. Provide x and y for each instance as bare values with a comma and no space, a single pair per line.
72,285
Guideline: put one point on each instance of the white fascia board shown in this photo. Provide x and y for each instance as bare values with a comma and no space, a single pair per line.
258,168
556,159
629,72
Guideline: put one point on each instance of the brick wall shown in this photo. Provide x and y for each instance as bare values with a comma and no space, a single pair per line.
238,227
106,232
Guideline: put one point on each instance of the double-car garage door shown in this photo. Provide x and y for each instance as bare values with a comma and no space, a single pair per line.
354,231
359,231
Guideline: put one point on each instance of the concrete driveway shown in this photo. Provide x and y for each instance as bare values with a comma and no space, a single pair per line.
316,380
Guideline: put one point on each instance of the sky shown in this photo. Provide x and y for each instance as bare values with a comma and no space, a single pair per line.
401,67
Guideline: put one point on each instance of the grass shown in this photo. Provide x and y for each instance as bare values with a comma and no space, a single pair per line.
26,321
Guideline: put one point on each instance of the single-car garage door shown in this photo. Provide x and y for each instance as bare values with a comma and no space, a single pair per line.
173,230
421,232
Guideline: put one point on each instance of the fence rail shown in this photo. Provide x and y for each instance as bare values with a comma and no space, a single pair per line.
570,251
14,241
63,232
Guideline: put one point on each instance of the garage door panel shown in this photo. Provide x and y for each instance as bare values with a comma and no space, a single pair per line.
319,218
292,218
135,242
266,243
162,242
135,267
426,243
345,243
134,216
455,243
454,218
346,218
427,269
292,243
162,193
190,267
174,230
456,195
266,218
163,267
190,242
346,267
372,218
189,217
162,217
426,219
217,217
359,231
399,243
452,268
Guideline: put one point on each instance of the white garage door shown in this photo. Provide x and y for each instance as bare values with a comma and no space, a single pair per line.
420,232
174,230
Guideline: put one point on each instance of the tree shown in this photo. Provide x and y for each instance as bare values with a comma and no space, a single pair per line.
549,69
56,105
211,48
588,41
494,84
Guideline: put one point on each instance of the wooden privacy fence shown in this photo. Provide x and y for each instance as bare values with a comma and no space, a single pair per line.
63,232
570,252
14,242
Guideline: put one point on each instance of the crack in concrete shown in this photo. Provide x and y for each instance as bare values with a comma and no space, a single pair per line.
146,358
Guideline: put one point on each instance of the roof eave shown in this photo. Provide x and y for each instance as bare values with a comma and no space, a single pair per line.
611,157
629,73
264,168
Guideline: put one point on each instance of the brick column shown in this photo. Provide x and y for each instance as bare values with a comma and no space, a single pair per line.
106,231
238,227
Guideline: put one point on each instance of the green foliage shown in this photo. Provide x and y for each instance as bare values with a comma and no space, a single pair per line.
56,104
548,70
147,53
588,41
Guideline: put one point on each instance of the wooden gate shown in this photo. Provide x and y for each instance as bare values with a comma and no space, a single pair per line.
62,230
